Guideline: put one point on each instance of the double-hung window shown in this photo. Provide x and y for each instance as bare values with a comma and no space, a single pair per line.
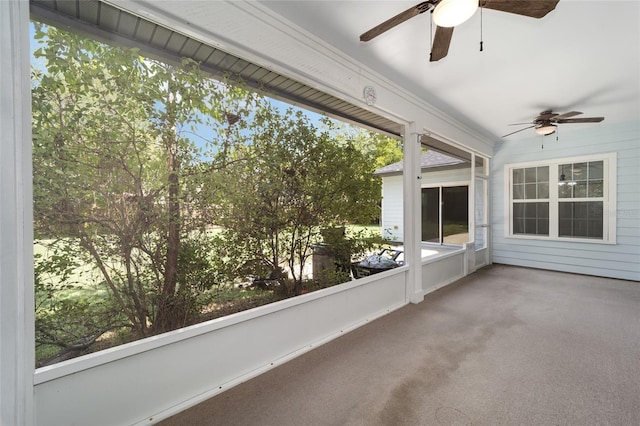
565,199
530,199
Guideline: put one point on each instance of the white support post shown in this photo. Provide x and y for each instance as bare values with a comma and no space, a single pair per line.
16,249
472,200
470,247
412,214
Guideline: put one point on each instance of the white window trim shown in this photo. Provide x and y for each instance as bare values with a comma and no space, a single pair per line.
610,198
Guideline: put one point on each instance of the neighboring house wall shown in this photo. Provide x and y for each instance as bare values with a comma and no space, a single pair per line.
618,260
392,218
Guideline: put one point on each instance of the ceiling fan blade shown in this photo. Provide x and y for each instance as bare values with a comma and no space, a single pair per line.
517,131
580,120
396,20
441,42
531,8
566,115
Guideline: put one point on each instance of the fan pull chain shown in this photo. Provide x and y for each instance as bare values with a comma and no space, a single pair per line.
481,42
431,35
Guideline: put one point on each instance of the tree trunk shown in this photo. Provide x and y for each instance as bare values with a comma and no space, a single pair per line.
170,310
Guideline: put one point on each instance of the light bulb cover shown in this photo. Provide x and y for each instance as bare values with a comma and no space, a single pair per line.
546,129
449,13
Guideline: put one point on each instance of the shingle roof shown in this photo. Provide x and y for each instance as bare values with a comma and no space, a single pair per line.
428,160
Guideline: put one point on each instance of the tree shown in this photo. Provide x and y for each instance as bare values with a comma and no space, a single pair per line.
379,149
297,181
114,170
134,161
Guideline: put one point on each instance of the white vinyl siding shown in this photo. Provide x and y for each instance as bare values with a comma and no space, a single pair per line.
619,260
392,217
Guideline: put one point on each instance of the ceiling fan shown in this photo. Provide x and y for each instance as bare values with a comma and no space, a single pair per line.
547,122
449,13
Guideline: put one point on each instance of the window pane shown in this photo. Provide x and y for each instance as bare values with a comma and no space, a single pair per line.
565,210
564,172
518,226
579,171
543,190
543,227
530,210
596,189
543,210
579,228
596,169
564,190
518,209
595,228
582,219
530,191
531,218
431,214
481,166
530,226
518,192
530,175
580,189
580,210
455,215
518,175
543,174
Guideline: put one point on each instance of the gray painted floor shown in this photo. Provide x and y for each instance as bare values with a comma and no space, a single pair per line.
504,346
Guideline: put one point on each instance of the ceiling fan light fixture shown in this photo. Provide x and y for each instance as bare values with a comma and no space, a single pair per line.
546,129
449,13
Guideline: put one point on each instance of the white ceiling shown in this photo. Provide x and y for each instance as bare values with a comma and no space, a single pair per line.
583,56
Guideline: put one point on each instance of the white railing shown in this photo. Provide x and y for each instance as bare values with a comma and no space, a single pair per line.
146,381
149,380
443,269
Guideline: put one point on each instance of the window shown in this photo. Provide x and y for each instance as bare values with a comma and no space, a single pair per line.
581,199
445,214
570,198
530,209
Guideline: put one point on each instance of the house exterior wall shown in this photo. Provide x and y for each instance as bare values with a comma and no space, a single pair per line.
618,260
392,209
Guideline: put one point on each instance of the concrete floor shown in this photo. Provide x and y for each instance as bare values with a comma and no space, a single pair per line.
504,346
